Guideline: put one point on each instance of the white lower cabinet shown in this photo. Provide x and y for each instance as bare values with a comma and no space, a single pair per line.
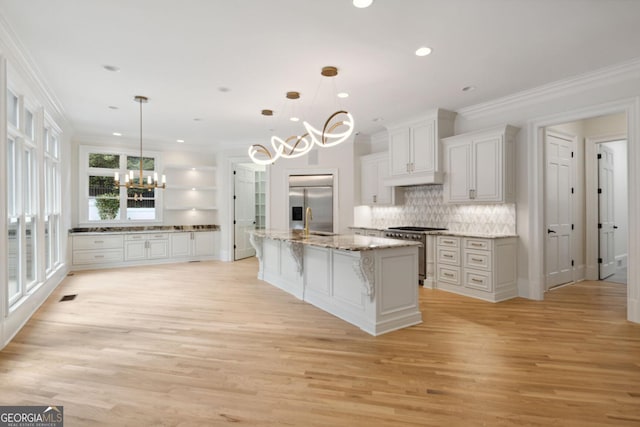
88,250
478,267
146,246
127,249
192,243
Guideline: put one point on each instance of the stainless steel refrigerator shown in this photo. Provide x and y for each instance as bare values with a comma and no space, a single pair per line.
315,192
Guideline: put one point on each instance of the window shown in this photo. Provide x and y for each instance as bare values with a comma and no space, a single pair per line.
33,227
51,202
103,201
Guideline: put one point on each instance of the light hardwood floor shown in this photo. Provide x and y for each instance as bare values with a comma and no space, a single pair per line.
208,344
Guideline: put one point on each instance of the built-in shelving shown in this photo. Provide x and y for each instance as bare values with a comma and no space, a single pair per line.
260,199
190,188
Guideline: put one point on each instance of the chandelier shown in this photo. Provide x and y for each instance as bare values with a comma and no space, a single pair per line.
337,129
129,179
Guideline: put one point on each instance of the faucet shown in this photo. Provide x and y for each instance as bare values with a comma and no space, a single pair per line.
308,216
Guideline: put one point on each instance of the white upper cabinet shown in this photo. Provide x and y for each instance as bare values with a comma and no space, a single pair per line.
374,169
479,166
415,156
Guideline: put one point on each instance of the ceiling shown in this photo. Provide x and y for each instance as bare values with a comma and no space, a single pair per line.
210,66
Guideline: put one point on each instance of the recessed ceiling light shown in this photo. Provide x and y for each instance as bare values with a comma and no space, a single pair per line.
117,134
294,119
113,107
468,88
112,68
180,140
361,4
193,188
223,89
343,95
423,51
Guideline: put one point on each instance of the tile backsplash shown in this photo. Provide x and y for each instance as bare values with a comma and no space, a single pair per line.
424,207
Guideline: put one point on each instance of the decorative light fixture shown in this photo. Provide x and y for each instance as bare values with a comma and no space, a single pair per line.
299,145
129,178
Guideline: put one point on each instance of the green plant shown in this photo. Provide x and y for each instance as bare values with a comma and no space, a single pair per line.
108,205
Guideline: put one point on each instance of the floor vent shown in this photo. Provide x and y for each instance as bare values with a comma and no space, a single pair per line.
68,297
194,261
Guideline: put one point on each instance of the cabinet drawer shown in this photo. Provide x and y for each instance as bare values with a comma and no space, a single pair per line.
448,274
477,259
448,256
97,242
146,236
480,280
452,242
97,257
482,244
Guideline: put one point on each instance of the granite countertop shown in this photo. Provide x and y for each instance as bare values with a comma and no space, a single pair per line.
143,229
355,227
344,242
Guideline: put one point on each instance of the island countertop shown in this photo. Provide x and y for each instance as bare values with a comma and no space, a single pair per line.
345,242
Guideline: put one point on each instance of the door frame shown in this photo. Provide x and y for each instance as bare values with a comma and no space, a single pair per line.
591,200
535,186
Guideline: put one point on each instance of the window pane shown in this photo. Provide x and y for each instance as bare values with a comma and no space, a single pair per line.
30,248
133,163
11,178
12,109
13,261
110,161
47,244
104,198
29,182
54,146
141,203
55,240
28,125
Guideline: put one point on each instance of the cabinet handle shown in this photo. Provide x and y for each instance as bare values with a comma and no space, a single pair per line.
476,244
447,274
158,236
448,242
413,167
407,167
98,256
476,259
98,241
447,256
477,280
375,199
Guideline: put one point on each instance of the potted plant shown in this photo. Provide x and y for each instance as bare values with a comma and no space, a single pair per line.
108,205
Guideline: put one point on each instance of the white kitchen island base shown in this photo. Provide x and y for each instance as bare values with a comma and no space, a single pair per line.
375,289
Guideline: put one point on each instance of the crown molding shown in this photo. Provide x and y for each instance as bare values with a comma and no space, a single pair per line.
20,60
603,76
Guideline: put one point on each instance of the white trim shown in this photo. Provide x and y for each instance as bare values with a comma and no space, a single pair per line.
559,89
535,129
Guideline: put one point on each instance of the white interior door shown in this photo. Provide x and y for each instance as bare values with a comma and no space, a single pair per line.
244,210
558,216
606,217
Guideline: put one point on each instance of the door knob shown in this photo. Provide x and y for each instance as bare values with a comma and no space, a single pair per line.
615,227
550,231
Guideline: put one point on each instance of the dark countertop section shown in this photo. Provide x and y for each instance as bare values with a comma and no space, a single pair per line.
145,228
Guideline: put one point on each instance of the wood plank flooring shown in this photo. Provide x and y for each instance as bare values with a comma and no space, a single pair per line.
206,344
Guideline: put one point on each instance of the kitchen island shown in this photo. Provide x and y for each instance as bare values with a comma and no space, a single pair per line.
370,282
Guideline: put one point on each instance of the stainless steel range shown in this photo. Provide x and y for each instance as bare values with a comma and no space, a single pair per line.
416,234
